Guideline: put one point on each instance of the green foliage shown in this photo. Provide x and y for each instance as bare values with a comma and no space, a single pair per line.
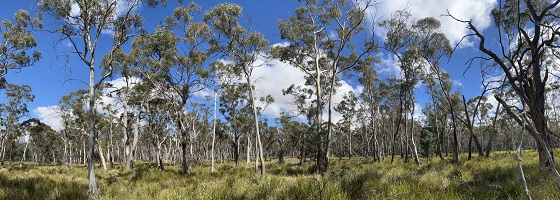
427,141
16,41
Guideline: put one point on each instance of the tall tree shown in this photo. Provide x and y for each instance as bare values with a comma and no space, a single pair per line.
347,107
242,47
370,103
83,23
527,38
322,55
17,96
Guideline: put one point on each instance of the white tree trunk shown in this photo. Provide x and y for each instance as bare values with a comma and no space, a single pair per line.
100,150
214,132
24,153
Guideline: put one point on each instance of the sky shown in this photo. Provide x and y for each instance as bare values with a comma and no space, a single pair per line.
52,77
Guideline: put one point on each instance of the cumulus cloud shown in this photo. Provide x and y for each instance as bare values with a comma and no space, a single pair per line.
50,116
109,96
121,8
476,10
275,75
389,66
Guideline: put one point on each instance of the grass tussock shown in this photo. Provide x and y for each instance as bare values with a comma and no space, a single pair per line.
496,177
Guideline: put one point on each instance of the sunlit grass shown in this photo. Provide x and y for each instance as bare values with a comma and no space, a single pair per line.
480,178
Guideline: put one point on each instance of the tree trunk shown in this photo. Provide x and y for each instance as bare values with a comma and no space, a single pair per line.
415,150
159,156
439,145
3,148
455,139
127,139
24,153
302,149
93,189
183,137
470,147
281,152
349,142
132,149
100,150
405,136
66,155
489,144
256,121
469,125
214,132
110,147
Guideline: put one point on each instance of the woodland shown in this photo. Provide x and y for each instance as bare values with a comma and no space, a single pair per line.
159,142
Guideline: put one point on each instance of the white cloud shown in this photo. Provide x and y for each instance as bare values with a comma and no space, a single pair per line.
121,8
206,92
281,44
124,5
457,83
389,66
117,84
476,10
271,79
418,114
276,75
50,116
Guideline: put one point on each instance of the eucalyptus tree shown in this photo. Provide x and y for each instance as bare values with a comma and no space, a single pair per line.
370,105
232,101
527,45
17,96
347,107
125,66
110,125
399,41
393,101
65,114
303,138
469,122
44,139
222,79
243,47
74,114
322,55
140,95
420,46
157,116
82,23
17,42
436,118
176,61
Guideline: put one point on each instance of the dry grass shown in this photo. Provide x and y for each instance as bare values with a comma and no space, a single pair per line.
493,178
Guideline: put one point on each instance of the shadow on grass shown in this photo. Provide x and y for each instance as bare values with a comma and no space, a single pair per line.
292,169
40,188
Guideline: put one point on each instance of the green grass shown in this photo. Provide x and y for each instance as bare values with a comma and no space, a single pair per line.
494,178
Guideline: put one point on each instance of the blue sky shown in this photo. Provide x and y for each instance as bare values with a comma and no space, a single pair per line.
48,78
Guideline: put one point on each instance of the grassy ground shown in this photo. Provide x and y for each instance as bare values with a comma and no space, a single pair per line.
494,178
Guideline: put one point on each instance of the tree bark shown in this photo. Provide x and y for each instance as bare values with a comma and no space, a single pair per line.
93,189
214,131
494,130
396,131
100,151
415,150
256,121
24,153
